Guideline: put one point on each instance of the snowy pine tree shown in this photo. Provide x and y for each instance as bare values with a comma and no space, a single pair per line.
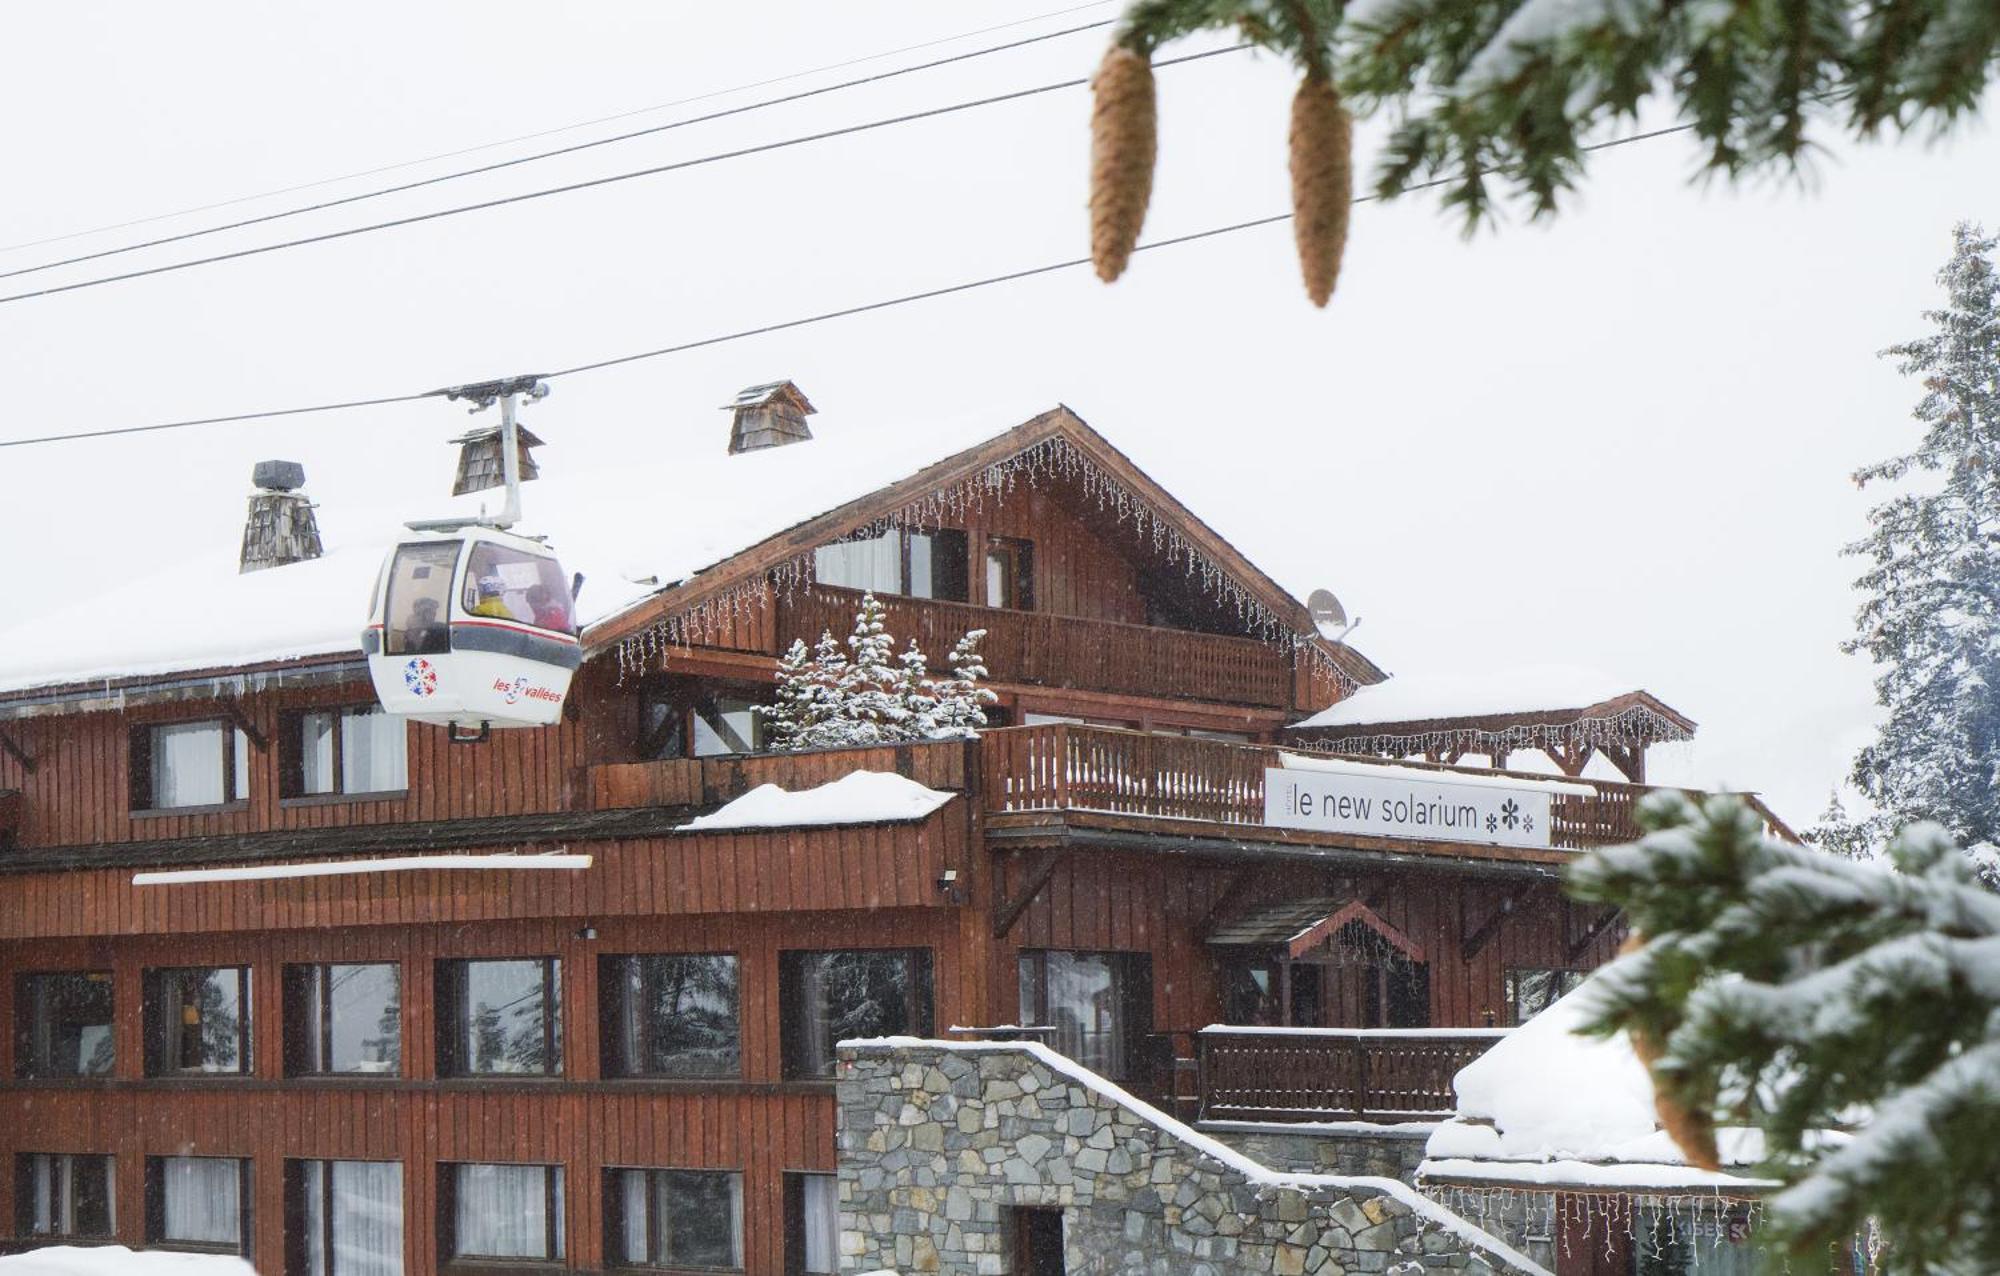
877,696
872,709
920,701
1931,619
1797,992
961,700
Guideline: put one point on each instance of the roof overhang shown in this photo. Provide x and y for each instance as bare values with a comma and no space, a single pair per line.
1636,716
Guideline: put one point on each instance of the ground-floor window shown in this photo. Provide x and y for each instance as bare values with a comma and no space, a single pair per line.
64,1197
1701,1243
1100,1004
1389,993
812,1224
1531,991
198,1202
674,1218
502,1211
670,1015
344,1218
829,997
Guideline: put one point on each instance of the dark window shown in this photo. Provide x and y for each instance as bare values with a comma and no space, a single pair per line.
361,750
812,1224
198,1202
1010,573
501,1211
828,997
920,564
500,1017
1037,1236
1100,1004
198,1020
673,1218
417,615
183,764
669,1015
1530,992
1256,992
937,565
1406,995
343,1218
344,1018
726,724
62,1024
63,1197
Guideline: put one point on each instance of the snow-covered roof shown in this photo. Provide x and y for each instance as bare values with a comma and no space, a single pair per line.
1552,1107
859,797
116,1260
633,525
1429,697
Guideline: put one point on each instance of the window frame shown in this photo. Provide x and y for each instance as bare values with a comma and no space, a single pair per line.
143,783
1019,554
24,1200
156,1207
1510,987
450,996
614,1219
154,1036
296,1192
1132,989
290,978
27,1026
555,1234
292,783
920,1008
611,1012
794,1182
905,558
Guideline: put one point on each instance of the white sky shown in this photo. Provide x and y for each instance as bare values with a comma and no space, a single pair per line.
1620,439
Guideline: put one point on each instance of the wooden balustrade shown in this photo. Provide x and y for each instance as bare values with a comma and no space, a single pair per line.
708,781
1039,649
1334,1074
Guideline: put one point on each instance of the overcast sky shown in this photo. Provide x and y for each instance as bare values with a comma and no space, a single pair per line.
1620,439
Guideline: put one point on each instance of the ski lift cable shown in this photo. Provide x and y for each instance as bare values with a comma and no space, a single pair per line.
782,325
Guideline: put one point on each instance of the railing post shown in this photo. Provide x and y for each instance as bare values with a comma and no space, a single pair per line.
1361,1079
1201,1077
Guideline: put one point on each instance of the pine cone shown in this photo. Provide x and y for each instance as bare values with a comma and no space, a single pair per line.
1692,1132
1123,140
1322,182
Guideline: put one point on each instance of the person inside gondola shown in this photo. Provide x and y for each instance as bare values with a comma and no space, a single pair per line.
549,614
425,632
492,599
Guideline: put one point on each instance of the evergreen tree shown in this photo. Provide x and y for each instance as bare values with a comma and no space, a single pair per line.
1931,619
920,699
960,698
872,701
1777,987
878,696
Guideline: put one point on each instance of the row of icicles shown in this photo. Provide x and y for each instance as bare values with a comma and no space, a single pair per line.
1123,143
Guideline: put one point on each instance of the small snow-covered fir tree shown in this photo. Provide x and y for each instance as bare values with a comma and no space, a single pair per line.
1793,991
1931,615
961,699
871,709
874,695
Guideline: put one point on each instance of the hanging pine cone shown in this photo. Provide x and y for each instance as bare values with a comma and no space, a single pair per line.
1322,182
1123,139
1692,1132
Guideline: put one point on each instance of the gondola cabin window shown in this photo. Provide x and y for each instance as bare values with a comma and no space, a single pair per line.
64,1197
62,1024
500,1017
916,564
504,583
353,751
682,1219
343,1218
417,612
828,997
670,1015
502,1211
344,1019
198,1020
198,1202
183,765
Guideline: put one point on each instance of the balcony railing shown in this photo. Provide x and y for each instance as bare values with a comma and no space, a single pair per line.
1039,649
708,781
1334,1074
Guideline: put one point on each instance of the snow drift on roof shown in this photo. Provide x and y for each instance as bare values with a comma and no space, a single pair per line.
116,1260
860,797
1424,697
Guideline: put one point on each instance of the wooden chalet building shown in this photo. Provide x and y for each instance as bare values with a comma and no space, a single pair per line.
431,1067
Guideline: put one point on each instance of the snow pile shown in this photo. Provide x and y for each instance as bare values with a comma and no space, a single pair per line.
116,1260
1532,689
861,797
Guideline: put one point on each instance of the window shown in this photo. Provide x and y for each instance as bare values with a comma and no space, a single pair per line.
189,764
673,1218
1530,992
512,584
829,997
417,610
812,1224
500,1017
62,1024
669,1015
198,1202
726,724
63,1197
1694,1242
343,1218
1010,573
919,564
503,1211
198,1020
341,1018
361,750
1100,1004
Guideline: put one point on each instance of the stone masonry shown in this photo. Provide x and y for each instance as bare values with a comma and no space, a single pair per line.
1382,1151
939,1142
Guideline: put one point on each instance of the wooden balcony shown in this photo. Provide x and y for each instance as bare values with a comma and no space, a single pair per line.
1037,649
710,781
1334,1074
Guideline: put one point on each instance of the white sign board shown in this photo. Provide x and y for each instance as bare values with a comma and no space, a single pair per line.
1405,806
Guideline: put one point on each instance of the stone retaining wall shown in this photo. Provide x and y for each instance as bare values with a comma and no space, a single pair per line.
1381,1151
940,1142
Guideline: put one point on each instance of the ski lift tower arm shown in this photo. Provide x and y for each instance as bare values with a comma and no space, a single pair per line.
482,395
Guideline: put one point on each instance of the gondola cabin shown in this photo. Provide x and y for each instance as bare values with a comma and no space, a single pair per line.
472,628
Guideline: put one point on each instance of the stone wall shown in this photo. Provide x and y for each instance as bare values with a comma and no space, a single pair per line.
939,1142
1353,1147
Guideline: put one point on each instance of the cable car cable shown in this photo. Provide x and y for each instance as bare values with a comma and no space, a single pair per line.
551,132
572,149
594,182
905,299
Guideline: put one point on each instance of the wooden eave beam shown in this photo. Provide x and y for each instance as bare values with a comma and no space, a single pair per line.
1490,929
233,710
1007,911
1594,933
1225,903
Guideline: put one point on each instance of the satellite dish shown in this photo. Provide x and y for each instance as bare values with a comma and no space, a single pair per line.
1328,616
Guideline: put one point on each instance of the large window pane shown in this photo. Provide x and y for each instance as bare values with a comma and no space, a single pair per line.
316,750
675,1218
874,562
670,1015
817,1225
1100,1005
63,1025
373,753
938,565
199,1201
507,1211
725,724
512,584
197,1020
418,612
349,1218
344,1018
1530,991
187,765
64,1197
829,997
506,1017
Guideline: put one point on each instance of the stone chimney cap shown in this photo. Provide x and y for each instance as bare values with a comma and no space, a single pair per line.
278,476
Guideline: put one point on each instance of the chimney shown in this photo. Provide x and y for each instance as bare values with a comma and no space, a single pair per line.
480,462
280,528
769,415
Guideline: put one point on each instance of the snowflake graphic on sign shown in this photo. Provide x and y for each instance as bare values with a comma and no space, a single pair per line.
419,677
1510,813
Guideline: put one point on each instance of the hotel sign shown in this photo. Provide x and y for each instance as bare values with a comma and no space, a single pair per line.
1408,804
